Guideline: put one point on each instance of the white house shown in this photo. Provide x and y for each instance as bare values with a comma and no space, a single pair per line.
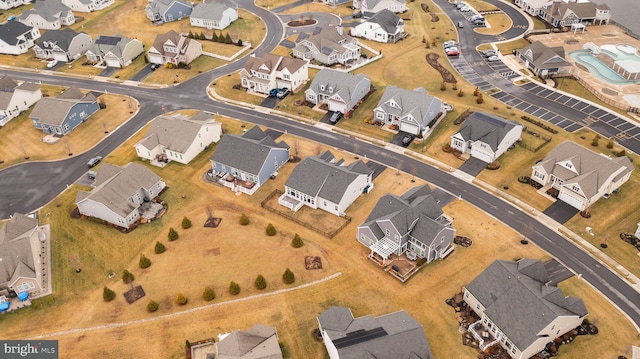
519,309
393,335
10,4
214,14
114,51
48,15
414,112
324,183
259,342
544,61
63,45
17,38
119,194
566,13
532,7
384,26
173,48
413,222
328,47
374,6
16,97
263,74
87,5
580,175
338,90
178,138
485,136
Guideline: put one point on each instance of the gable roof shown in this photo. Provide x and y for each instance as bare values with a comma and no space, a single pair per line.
7,88
50,10
247,152
11,30
387,20
519,302
161,6
417,103
60,38
259,342
327,40
270,62
322,177
336,83
180,42
54,110
544,57
176,132
395,335
114,185
115,44
487,128
212,10
16,256
592,169
561,10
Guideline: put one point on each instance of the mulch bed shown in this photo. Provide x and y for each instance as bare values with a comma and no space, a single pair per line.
75,213
424,7
434,18
134,294
305,22
212,222
462,241
312,262
631,239
432,59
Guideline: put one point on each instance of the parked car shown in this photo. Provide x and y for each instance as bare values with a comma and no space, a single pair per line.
447,107
94,161
337,115
11,18
465,9
493,58
356,14
406,140
460,24
154,67
452,51
52,63
274,92
449,43
92,174
284,92
488,53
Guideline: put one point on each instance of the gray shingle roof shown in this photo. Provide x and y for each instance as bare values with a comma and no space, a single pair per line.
7,88
60,38
16,256
259,342
394,335
318,176
10,31
50,10
418,103
485,127
212,10
115,44
518,302
336,82
247,152
327,40
561,10
53,110
545,57
387,20
176,133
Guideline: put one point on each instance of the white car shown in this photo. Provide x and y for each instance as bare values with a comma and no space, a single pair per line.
52,63
448,44
493,58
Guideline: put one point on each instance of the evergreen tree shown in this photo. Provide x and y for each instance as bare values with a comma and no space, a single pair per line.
127,276
186,223
108,295
260,282
214,37
234,288
288,277
144,262
271,230
209,294
244,220
152,306
160,248
181,299
173,235
297,241
227,39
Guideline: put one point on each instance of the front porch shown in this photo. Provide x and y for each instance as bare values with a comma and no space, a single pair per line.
482,334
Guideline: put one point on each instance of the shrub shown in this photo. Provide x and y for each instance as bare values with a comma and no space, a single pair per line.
152,306
127,276
260,282
209,294
622,153
244,220
594,143
186,223
443,86
144,262
181,299
610,144
271,230
479,99
297,241
190,34
173,235
227,39
476,92
107,294
239,42
234,288
288,277
460,93
160,248
214,37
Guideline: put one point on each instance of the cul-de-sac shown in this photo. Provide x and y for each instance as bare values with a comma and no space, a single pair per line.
320,179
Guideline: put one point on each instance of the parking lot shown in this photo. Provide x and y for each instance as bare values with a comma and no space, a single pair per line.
466,70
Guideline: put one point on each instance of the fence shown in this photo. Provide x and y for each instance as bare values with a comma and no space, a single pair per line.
605,99
288,215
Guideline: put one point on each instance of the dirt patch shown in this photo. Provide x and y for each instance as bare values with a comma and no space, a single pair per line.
432,59
212,222
312,262
213,252
434,18
134,294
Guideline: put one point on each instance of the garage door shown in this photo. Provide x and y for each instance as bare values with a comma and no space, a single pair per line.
60,57
113,63
409,128
567,197
481,155
336,106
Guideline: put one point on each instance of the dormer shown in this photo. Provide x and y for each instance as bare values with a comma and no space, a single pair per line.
322,87
392,103
528,54
331,89
264,67
568,165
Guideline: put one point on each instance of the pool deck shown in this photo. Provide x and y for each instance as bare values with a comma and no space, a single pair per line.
599,35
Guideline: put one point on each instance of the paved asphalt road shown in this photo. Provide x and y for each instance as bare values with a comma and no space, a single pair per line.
25,187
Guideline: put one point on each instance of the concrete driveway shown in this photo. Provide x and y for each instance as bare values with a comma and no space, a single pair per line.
560,211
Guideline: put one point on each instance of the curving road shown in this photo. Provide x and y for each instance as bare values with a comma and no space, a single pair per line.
26,187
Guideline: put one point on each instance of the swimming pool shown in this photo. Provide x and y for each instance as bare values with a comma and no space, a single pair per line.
622,53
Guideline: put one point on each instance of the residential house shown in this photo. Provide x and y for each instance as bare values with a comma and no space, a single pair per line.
63,45
122,195
414,112
263,74
10,4
519,309
532,7
544,61
173,48
485,136
178,138
243,163
17,38
114,51
60,115
326,183
48,15
375,6
395,335
384,26
214,14
88,5
24,247
259,342
411,222
328,46
161,11
16,97
561,14
580,175
338,90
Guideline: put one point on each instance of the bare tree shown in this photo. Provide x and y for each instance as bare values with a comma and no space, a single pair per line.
527,230
296,150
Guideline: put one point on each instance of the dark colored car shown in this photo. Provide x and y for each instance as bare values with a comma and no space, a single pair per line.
406,140
284,92
335,117
154,67
274,92
356,14
94,161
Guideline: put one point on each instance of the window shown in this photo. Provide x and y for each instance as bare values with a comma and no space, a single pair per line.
25,287
66,126
387,232
466,295
538,175
575,188
478,306
379,115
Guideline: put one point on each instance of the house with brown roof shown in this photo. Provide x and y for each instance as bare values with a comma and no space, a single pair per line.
263,74
519,309
60,115
24,247
16,97
174,48
258,342
327,46
122,195
580,175
544,61
565,13
178,138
